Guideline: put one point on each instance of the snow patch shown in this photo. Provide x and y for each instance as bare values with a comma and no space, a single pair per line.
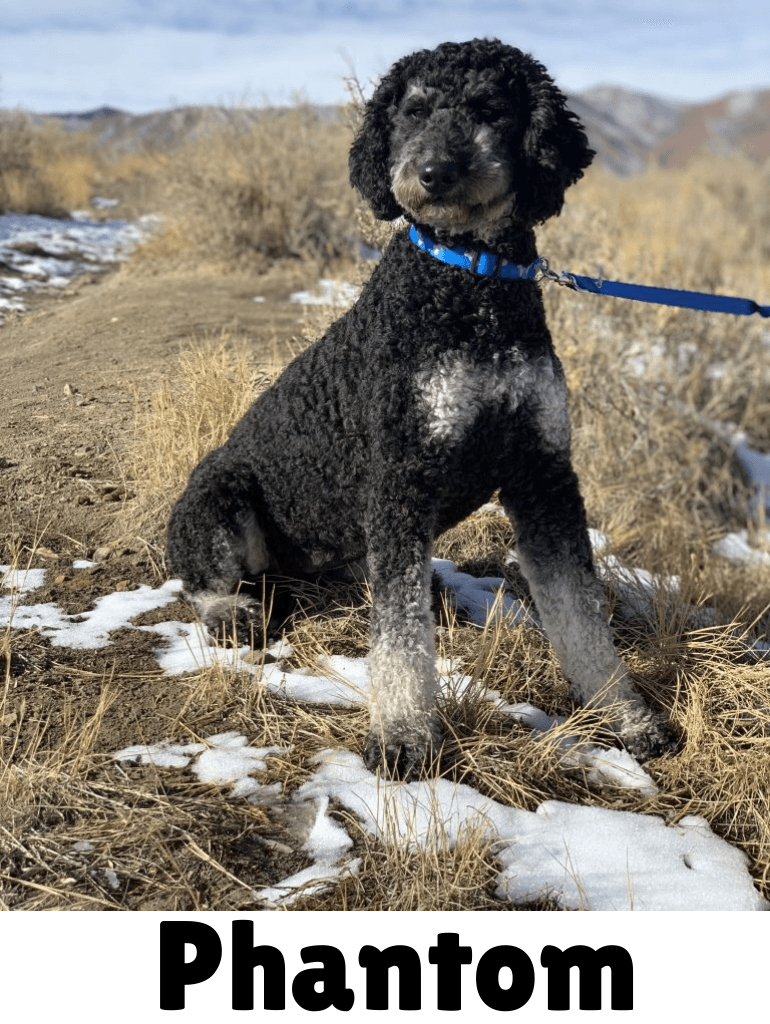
583,857
222,759
21,581
736,547
328,843
480,598
45,252
328,292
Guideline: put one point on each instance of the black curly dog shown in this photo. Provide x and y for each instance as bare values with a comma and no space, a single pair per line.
437,388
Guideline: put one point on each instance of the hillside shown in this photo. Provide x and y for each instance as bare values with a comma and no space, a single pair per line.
626,128
629,128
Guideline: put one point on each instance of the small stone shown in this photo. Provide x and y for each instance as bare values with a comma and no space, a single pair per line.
45,552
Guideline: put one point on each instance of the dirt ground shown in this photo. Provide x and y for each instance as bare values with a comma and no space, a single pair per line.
73,372
76,373
72,368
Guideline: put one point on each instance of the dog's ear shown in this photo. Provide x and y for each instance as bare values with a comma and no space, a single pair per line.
555,147
369,161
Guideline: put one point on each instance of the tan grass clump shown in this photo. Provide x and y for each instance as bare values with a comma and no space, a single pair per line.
244,196
651,392
26,186
185,418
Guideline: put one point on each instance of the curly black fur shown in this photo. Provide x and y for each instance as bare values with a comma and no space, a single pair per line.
437,388
484,82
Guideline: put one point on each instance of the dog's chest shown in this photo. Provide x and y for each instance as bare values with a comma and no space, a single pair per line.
456,389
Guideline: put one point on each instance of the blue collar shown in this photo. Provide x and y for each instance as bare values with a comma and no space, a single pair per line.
485,264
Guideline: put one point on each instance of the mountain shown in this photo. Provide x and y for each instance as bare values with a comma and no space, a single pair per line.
160,129
627,129
739,121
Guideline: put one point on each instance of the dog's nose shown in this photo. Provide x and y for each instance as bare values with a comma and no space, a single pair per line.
438,176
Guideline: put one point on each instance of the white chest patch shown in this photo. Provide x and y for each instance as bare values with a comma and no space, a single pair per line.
456,390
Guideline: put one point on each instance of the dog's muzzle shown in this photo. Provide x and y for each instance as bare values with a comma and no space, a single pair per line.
439,177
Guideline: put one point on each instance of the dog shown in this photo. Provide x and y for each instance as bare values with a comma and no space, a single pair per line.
439,387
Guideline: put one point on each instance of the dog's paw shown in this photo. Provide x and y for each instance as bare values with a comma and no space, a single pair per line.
236,618
643,732
403,754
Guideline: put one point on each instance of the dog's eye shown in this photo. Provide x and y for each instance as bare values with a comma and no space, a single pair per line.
487,109
417,109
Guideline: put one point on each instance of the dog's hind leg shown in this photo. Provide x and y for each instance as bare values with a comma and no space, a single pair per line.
404,728
544,504
217,547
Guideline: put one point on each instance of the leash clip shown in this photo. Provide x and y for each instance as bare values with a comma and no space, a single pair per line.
544,273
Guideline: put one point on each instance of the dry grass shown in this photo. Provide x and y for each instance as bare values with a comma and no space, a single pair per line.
657,475
47,170
238,193
41,169
650,383
184,419
234,197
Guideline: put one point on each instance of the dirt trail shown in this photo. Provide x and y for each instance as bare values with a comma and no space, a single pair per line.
70,369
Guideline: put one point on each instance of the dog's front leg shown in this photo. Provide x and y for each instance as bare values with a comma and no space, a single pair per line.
545,506
404,729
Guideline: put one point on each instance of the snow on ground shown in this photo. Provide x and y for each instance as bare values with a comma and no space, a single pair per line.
87,630
328,292
479,598
756,466
223,758
584,857
45,252
736,547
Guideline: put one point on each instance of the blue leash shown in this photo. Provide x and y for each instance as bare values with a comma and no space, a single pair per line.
487,264
661,296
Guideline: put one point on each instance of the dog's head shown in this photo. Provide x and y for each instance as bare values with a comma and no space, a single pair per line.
469,137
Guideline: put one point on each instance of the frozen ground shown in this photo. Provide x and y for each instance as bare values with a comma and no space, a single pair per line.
39,253
584,857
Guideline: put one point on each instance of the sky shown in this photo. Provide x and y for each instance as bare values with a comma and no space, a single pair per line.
142,55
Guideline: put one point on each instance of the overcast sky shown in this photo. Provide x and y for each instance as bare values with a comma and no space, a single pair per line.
144,55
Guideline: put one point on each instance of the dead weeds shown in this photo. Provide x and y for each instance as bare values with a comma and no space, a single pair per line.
655,394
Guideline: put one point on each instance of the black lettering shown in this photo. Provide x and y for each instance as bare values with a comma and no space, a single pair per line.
488,978
175,974
331,976
589,962
449,956
377,963
247,956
